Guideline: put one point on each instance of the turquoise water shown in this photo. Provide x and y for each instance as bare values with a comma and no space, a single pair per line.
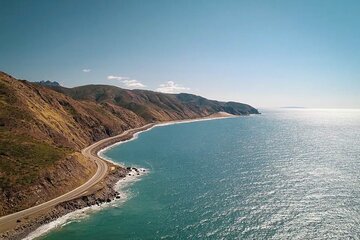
283,174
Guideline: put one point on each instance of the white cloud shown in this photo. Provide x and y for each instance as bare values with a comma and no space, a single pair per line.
86,70
171,87
111,77
130,83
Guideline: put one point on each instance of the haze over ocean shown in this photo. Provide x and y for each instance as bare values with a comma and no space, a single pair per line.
283,174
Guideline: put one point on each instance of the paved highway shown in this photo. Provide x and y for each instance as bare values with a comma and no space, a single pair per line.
8,221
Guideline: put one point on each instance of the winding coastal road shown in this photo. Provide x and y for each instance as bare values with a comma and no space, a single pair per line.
9,221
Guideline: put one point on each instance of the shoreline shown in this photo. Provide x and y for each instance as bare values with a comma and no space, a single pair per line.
105,194
100,153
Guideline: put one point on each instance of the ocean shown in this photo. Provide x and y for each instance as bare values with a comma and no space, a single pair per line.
284,174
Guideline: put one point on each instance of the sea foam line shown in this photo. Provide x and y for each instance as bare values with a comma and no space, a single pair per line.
84,213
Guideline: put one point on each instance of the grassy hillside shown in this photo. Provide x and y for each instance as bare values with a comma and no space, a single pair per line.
43,128
41,133
155,106
17,147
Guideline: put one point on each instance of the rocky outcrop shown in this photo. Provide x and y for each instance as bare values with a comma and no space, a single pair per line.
49,83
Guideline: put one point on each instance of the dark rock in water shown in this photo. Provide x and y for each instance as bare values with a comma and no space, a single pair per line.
128,168
117,197
108,200
136,170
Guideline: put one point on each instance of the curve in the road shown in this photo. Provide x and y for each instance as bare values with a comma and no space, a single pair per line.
101,172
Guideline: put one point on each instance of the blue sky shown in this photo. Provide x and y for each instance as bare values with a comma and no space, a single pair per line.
265,53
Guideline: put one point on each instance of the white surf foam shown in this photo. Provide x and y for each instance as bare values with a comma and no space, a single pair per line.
121,186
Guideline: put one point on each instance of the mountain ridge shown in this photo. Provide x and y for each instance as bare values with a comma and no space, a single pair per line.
133,98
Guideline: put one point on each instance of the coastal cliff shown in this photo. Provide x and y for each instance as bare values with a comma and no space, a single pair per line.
44,127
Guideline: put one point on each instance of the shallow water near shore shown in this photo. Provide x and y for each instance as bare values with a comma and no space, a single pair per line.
283,174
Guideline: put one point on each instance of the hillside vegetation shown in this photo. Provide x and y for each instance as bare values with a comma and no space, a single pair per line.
43,128
155,106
